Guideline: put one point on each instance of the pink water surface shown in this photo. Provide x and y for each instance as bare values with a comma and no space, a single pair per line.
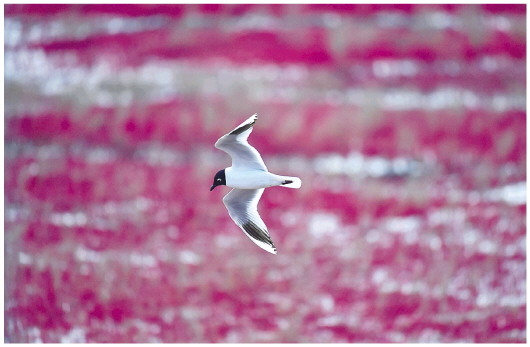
406,124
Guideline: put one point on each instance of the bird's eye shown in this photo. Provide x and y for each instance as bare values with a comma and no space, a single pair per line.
218,180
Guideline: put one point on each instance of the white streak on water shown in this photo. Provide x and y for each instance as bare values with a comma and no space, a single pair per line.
25,259
391,68
408,226
327,303
69,219
142,260
403,224
189,257
34,335
102,85
86,255
513,194
24,32
76,335
375,166
322,223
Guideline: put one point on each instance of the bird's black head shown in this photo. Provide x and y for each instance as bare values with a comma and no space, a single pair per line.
219,179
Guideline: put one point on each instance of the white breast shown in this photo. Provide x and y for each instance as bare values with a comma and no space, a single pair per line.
250,179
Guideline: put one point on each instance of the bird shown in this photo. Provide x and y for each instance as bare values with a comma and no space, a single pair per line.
248,177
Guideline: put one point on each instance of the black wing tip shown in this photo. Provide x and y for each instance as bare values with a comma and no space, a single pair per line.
245,127
253,230
258,234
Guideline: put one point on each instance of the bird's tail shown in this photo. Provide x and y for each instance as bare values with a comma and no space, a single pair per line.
291,182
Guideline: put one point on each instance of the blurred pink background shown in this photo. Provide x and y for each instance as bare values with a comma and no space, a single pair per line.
406,124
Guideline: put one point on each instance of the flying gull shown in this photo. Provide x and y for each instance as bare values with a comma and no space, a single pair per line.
248,176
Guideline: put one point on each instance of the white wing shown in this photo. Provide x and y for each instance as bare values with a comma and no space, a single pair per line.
242,205
235,143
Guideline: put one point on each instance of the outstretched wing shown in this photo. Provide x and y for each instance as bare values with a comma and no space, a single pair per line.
235,143
242,205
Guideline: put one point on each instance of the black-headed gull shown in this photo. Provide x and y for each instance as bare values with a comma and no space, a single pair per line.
248,176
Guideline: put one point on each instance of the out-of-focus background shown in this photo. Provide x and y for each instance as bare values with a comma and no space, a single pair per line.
406,124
